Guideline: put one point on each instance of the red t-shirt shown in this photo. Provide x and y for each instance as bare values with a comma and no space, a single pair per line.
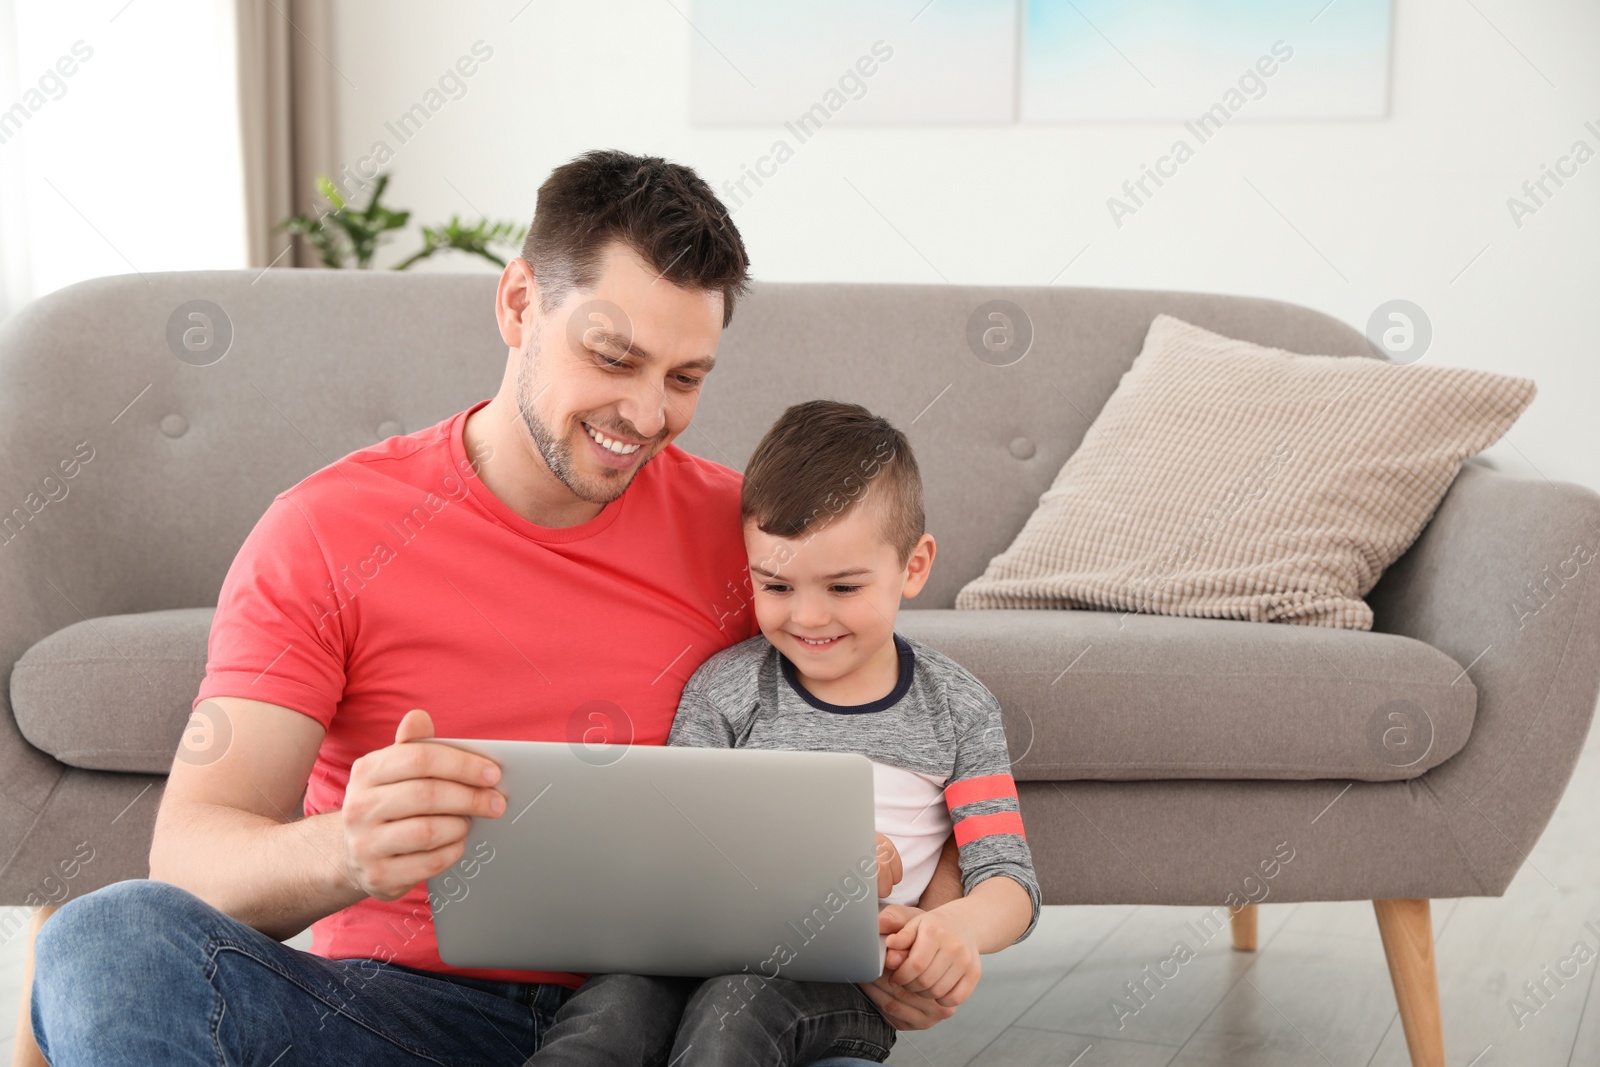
393,579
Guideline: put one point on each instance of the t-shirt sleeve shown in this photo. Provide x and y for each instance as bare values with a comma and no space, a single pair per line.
279,634
982,798
698,723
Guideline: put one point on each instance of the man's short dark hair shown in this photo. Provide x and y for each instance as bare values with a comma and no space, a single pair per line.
662,211
822,458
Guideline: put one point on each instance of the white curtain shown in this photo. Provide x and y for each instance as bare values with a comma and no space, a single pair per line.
286,118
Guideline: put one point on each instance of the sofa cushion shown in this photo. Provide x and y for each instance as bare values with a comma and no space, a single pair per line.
1086,694
113,693
1092,694
1229,480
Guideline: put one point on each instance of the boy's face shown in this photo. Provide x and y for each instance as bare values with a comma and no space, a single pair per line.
840,582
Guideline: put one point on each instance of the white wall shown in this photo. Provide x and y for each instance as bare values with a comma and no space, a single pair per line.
1483,94
123,151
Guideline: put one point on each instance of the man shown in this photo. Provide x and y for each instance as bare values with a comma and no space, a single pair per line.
543,566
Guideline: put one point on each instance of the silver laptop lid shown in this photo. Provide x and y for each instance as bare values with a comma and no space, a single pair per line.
646,859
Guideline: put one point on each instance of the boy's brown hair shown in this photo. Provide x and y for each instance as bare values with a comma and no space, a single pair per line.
822,458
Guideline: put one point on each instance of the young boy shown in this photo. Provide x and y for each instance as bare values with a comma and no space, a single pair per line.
833,523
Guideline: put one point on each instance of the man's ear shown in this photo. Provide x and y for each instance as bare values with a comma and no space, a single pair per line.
919,566
518,291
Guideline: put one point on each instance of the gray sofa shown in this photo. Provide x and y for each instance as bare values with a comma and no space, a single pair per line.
1160,760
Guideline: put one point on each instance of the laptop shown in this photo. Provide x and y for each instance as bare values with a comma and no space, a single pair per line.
646,859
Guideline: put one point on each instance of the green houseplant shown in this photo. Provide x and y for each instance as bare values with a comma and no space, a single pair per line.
347,233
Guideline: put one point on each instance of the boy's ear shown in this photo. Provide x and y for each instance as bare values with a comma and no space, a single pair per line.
919,565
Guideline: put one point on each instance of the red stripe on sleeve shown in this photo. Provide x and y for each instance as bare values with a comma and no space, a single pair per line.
972,790
1001,822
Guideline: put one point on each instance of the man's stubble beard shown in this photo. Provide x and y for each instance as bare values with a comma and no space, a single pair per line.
557,451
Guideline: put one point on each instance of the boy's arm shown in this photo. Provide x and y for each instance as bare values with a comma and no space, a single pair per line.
993,915
941,947
982,798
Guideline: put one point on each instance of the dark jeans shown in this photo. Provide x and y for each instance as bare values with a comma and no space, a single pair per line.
143,972
735,1019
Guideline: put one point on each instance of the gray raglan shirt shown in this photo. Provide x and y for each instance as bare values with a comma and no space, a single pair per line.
939,720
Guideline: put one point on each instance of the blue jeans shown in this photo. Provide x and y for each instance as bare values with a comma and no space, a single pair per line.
143,972
730,1021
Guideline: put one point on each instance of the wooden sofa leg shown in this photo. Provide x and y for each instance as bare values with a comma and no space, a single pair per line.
1407,930
1243,921
25,1053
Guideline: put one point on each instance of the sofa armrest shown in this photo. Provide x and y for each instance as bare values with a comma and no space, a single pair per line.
1506,580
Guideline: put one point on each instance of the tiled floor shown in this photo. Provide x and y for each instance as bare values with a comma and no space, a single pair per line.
1317,993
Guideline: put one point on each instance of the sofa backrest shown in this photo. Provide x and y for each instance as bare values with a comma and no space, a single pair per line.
186,457
988,438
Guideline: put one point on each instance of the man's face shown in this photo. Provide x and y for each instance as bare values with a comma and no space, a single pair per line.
610,377
840,582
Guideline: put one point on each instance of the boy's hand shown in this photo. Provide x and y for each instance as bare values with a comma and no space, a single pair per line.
904,1009
890,870
941,957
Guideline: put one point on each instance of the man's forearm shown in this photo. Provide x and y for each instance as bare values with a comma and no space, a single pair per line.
945,885
277,877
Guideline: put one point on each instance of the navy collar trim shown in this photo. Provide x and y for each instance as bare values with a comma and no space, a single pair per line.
902,685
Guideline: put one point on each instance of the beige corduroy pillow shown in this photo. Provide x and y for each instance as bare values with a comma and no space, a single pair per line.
1228,480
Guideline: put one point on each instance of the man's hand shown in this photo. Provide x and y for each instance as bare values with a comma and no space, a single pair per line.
407,809
890,870
904,1008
